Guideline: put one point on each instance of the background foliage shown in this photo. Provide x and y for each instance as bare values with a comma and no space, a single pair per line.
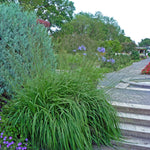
92,31
49,9
145,42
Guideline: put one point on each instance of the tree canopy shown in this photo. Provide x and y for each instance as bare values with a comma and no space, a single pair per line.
92,31
128,46
145,42
97,27
56,12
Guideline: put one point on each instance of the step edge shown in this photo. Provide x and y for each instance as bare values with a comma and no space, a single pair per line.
132,144
133,116
130,105
122,126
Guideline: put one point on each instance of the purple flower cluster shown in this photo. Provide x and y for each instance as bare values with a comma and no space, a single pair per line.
111,60
101,49
9,143
82,47
107,60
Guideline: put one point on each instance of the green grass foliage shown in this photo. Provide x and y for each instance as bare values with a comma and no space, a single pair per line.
72,41
135,55
121,61
61,110
23,44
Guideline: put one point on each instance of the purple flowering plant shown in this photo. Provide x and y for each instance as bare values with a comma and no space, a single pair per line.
101,49
112,60
101,56
11,142
82,47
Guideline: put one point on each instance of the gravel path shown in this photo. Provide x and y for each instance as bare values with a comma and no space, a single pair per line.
126,95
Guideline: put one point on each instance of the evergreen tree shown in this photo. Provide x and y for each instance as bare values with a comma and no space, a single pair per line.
25,47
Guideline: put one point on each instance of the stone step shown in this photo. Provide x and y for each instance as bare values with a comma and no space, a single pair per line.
129,143
137,143
132,108
135,119
135,130
140,84
133,143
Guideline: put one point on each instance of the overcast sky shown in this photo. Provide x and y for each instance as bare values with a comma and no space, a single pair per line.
133,16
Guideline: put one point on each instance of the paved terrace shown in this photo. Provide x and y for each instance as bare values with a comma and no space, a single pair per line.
120,86
113,83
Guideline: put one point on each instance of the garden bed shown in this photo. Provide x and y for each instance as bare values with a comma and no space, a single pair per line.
146,70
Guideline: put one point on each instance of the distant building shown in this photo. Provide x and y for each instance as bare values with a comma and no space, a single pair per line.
141,50
148,49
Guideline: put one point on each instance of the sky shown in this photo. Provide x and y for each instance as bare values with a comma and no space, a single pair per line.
133,16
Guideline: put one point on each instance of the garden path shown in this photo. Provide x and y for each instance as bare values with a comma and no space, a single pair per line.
117,85
121,93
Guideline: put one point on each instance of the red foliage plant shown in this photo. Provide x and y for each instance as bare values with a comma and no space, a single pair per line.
46,23
146,70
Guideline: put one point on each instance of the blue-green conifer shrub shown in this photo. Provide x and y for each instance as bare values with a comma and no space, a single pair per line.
25,47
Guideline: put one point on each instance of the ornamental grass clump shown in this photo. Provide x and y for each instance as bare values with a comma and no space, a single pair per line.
61,110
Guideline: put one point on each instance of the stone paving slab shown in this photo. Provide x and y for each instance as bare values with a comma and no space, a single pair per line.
121,91
122,85
132,71
118,87
130,96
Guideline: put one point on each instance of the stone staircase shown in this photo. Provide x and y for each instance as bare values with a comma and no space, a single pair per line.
135,126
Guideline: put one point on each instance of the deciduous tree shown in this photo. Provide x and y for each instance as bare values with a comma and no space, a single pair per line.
56,12
145,42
